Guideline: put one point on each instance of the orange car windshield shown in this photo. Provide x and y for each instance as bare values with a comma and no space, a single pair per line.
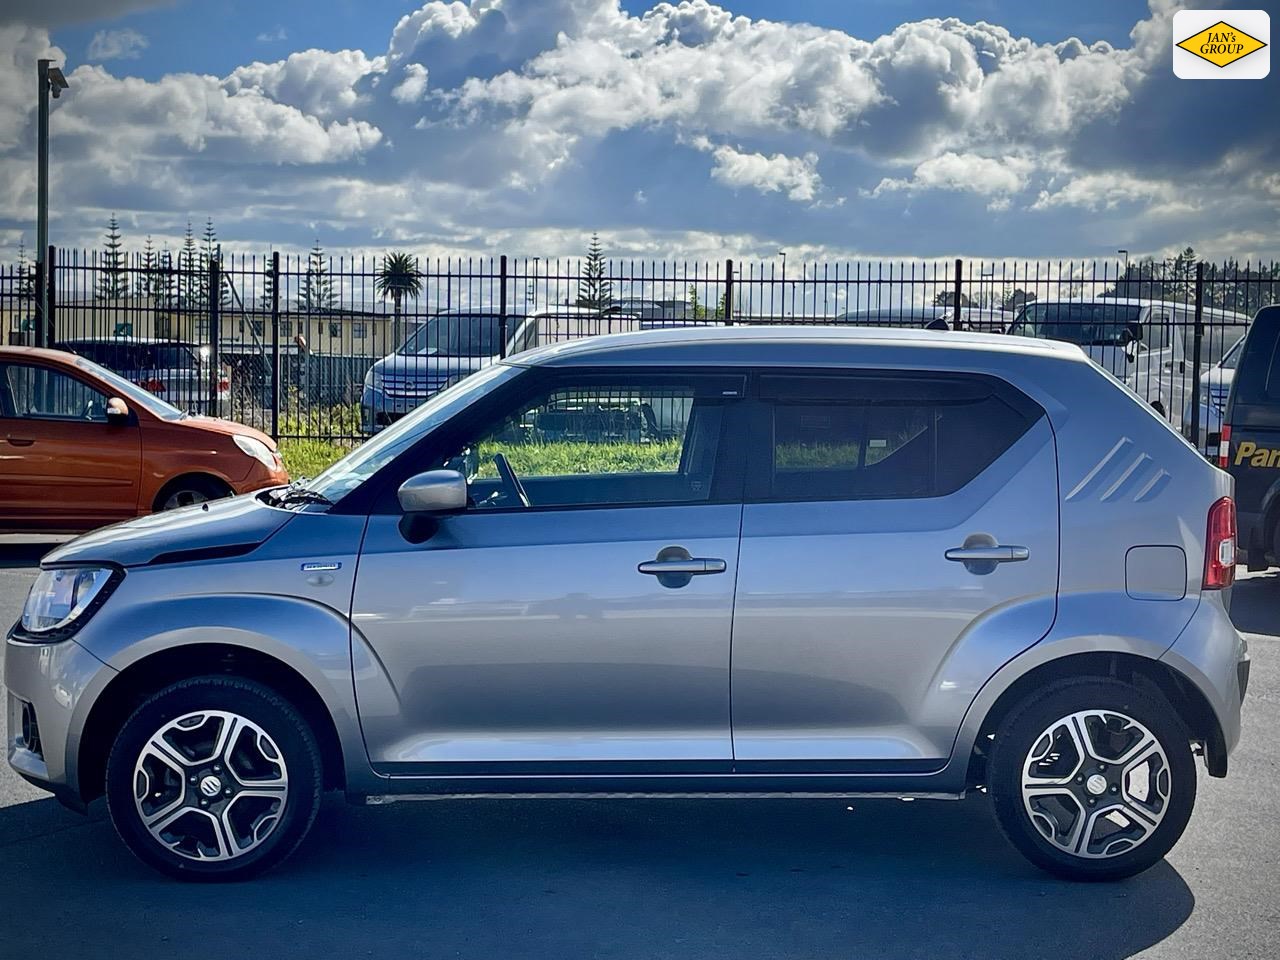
131,392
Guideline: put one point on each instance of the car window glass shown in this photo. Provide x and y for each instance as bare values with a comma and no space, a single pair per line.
597,443
44,394
899,439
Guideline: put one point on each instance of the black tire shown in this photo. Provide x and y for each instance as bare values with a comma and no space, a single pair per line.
186,491
281,722
1022,731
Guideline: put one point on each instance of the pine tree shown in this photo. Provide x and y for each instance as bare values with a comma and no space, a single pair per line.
594,290
211,252
26,273
113,280
193,292
317,294
268,285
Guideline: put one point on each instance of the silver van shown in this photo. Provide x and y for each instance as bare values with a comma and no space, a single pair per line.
821,562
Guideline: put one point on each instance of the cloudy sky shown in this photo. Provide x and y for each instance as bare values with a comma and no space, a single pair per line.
919,128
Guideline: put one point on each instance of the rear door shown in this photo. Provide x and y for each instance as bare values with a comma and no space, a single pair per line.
872,599
62,465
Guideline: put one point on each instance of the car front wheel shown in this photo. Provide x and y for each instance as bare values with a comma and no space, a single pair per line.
214,778
1093,779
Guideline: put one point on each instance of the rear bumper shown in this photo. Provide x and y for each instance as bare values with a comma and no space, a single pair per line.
1213,655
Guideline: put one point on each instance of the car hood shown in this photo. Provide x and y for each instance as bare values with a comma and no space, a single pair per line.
216,528
228,428
1219,377
1110,358
398,364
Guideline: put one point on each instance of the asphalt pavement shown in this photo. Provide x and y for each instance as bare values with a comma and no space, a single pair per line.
818,880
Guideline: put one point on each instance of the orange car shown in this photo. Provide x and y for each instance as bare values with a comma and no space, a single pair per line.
81,447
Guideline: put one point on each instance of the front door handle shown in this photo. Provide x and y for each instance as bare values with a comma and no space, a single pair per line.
20,441
992,554
694,566
675,567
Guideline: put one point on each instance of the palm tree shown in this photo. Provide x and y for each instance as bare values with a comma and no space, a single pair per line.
398,278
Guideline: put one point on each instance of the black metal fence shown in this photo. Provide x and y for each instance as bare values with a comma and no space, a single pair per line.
309,346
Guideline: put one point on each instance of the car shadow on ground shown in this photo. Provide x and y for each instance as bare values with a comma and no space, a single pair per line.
497,879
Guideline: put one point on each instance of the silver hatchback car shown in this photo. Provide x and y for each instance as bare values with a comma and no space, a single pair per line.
806,562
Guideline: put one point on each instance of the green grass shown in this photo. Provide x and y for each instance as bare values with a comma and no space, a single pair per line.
306,458
566,457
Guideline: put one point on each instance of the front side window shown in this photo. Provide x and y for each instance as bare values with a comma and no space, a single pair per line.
39,393
891,437
599,442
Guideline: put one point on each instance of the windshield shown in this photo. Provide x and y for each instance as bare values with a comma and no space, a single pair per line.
1232,356
131,392
366,460
458,335
1088,324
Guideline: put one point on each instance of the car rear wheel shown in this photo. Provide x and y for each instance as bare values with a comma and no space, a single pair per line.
188,491
1093,779
214,778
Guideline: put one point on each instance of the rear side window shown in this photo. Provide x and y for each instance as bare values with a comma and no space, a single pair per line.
1258,377
882,436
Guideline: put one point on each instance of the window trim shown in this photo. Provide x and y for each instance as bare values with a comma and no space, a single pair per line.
760,421
12,412
727,481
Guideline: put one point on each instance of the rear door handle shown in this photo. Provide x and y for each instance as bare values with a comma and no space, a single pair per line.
692,567
991,554
20,441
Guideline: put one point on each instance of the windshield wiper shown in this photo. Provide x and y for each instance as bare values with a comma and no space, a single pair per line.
295,493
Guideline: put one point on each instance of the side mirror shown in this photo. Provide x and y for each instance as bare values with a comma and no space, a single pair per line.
434,492
117,411
1132,333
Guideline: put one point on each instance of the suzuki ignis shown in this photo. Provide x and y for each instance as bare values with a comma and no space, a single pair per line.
818,562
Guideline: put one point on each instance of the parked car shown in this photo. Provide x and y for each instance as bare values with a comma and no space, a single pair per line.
174,370
1143,343
456,343
1215,388
83,447
851,562
1249,446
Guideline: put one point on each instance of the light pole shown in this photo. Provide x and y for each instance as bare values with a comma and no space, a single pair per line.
1125,254
52,81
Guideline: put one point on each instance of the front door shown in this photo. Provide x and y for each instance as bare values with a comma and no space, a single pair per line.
899,543
62,465
576,618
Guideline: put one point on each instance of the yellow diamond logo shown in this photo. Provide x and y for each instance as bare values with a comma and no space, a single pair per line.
1221,44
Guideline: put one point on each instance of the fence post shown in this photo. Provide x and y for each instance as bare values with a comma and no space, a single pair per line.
1196,343
37,326
728,293
215,331
502,305
956,294
50,278
275,344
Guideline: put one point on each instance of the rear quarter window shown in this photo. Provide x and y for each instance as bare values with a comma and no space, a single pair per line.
1257,378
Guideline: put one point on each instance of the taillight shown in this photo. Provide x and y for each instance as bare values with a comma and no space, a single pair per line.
1220,546
1224,447
224,384
153,386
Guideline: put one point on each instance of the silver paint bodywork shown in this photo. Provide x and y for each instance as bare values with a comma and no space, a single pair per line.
518,650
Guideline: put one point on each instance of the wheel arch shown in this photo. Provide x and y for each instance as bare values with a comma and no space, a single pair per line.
173,483
147,676
1182,694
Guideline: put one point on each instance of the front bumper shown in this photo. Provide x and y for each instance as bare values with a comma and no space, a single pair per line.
378,410
52,685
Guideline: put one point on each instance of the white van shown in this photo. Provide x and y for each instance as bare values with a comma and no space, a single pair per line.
1147,344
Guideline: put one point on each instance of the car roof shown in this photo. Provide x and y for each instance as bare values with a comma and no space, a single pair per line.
779,345
130,341
37,353
1138,302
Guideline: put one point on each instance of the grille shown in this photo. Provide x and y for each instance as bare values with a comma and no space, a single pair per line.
412,386
31,731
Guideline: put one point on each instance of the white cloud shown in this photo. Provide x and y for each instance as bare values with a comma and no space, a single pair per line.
274,35
317,82
1106,191
125,44
797,177
987,176
414,85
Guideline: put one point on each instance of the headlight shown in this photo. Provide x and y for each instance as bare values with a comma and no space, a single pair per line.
256,449
62,596
373,379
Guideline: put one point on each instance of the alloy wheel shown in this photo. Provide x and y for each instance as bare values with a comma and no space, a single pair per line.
1096,784
210,785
